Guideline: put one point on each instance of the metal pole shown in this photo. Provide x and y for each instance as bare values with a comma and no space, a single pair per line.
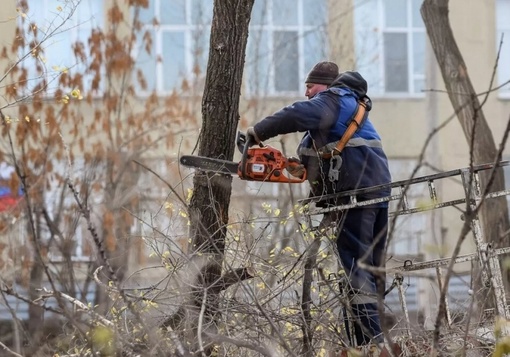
491,270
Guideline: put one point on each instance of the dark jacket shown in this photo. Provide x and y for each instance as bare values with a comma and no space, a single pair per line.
325,118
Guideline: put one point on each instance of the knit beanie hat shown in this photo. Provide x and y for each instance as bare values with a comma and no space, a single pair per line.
323,73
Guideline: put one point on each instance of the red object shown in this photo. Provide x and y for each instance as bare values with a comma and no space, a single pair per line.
266,164
7,202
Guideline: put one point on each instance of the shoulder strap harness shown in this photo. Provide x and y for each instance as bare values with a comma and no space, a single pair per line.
355,123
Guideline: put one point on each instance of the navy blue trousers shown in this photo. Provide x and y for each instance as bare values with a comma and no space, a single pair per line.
362,233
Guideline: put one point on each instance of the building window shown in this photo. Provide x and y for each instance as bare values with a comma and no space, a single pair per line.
60,25
283,48
411,232
503,29
390,40
180,31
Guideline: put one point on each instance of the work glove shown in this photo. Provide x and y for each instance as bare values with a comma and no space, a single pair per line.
295,167
251,136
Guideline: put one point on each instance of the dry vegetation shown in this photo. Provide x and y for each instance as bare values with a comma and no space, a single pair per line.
84,162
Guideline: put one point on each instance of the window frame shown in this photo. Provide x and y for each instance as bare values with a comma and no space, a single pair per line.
411,231
302,30
74,26
381,28
189,28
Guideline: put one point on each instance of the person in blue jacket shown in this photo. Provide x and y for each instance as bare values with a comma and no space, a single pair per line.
361,232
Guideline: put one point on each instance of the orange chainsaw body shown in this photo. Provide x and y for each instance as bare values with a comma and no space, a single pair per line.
266,164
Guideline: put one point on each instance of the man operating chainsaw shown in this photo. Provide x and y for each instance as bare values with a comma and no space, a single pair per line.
332,167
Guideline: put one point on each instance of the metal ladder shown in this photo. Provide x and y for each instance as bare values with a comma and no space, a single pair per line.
486,255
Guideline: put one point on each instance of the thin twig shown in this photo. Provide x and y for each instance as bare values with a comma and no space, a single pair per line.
201,322
8,350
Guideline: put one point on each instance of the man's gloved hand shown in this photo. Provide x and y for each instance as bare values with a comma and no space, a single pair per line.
251,136
295,167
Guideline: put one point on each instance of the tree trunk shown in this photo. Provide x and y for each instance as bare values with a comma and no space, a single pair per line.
35,313
220,115
494,212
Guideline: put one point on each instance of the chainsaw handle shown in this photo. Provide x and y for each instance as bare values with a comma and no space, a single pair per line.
248,142
240,141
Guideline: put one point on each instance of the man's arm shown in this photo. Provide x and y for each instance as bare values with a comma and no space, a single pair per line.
319,112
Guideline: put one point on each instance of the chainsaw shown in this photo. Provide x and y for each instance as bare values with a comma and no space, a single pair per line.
263,163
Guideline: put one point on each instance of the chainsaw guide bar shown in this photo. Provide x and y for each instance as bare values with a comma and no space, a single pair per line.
210,164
